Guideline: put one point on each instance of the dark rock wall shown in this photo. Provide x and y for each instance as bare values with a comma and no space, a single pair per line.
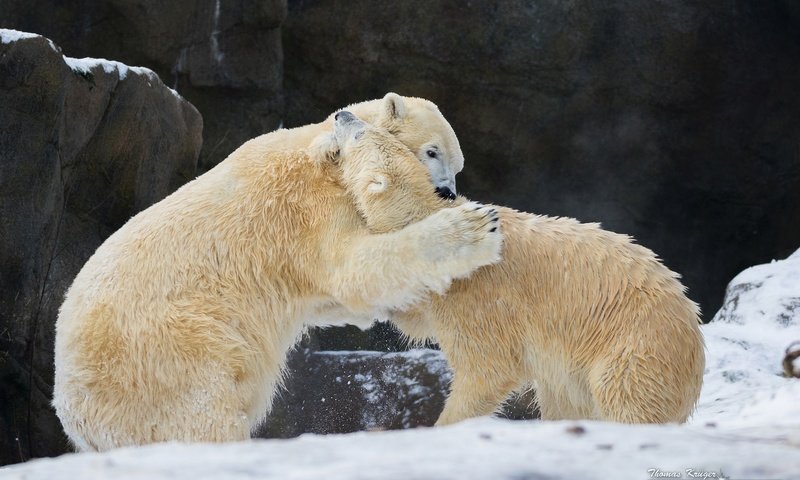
81,151
340,392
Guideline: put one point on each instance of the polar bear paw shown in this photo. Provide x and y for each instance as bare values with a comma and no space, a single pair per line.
469,237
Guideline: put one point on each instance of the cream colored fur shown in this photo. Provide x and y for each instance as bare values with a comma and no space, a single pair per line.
177,327
596,323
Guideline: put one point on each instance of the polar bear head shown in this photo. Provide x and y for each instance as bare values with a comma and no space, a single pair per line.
389,186
422,128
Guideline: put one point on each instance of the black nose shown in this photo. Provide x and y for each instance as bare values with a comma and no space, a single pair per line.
445,193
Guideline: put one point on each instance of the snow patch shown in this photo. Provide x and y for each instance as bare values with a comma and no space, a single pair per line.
475,449
111,67
11,36
215,51
746,342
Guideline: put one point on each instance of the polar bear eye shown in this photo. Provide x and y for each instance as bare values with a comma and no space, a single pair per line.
431,153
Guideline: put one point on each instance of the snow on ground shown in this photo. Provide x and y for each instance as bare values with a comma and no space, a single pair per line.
477,449
747,425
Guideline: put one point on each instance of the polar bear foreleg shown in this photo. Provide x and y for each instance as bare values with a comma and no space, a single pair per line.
392,271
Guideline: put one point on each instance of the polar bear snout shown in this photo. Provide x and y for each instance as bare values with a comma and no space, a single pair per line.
445,193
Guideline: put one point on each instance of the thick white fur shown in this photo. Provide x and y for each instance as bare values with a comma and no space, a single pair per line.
597,324
177,327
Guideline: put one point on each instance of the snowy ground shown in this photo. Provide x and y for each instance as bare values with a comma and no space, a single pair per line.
747,425
481,448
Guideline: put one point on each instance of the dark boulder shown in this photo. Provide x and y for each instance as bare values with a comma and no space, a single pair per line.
224,57
84,146
341,392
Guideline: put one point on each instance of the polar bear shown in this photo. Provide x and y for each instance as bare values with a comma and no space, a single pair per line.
599,326
177,327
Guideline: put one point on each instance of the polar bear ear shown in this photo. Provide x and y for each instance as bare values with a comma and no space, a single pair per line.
394,107
378,183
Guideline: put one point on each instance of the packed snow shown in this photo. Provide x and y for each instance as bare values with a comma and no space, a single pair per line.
747,425
479,449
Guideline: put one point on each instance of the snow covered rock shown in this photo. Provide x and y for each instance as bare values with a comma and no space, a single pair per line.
768,294
746,344
84,145
342,392
225,57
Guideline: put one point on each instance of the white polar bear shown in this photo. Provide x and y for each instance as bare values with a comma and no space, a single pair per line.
177,327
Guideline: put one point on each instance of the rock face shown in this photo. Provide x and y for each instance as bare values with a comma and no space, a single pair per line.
224,57
84,146
676,122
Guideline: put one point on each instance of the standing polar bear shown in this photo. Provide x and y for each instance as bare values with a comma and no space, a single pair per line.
594,322
599,326
177,327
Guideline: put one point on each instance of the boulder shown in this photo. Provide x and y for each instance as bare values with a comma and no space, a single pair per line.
342,392
224,57
86,144
676,122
